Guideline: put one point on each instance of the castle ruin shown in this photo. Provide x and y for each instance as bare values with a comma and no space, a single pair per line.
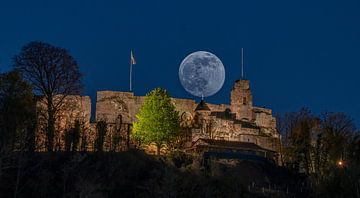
239,124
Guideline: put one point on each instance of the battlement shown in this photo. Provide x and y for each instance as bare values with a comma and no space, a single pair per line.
242,84
241,100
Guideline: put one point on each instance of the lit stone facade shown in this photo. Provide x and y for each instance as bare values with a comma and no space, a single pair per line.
240,121
72,108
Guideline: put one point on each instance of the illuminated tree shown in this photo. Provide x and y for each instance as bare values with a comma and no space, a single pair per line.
158,121
53,74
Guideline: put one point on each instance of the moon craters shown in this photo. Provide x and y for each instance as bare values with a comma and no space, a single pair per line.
202,74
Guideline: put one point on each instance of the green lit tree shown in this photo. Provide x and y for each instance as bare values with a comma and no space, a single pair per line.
158,121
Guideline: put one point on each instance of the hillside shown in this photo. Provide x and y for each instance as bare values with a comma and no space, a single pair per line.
136,174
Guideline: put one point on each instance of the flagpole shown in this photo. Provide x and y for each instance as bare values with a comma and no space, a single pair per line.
242,63
130,75
132,62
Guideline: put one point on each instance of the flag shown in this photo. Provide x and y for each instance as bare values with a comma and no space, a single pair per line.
132,58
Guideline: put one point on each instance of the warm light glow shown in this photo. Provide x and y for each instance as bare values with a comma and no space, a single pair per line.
340,163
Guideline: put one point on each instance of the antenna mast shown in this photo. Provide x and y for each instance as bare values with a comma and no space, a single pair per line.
242,63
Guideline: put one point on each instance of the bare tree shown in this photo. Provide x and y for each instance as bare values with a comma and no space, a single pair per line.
337,132
297,129
52,71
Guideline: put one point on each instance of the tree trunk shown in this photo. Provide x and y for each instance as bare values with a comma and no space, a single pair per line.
30,138
50,125
158,147
17,182
128,137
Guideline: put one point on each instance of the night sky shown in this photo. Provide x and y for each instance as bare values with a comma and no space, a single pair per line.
297,53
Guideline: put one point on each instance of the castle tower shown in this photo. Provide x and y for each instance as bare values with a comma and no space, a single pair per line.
202,113
202,109
241,100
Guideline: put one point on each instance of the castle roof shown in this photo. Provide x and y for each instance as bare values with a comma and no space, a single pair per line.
247,124
202,106
225,144
224,115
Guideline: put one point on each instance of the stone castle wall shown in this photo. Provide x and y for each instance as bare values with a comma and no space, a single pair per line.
239,121
73,108
111,104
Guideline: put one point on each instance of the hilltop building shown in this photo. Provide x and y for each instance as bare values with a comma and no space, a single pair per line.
206,127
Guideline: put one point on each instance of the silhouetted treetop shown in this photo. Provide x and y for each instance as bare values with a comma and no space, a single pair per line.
50,69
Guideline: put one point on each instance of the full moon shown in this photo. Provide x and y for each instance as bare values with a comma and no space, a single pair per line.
202,74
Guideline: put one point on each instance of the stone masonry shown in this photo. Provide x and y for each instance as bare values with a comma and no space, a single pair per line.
73,108
239,121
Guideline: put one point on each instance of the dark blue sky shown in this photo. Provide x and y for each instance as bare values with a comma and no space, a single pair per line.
297,53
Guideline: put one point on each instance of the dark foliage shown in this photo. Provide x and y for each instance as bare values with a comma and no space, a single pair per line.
325,148
136,174
180,159
101,130
72,137
17,114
